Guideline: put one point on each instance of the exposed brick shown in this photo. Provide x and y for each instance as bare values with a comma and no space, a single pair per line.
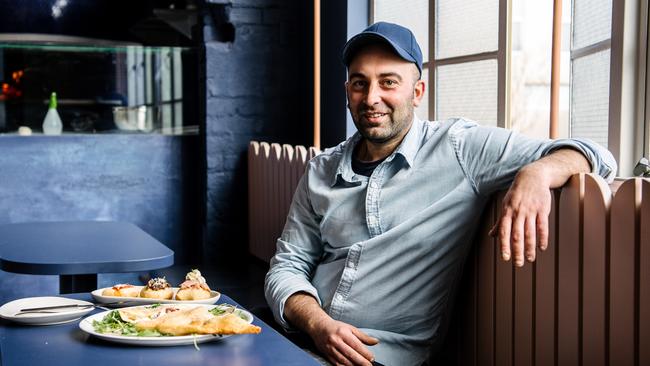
245,16
258,3
255,89
262,38
275,15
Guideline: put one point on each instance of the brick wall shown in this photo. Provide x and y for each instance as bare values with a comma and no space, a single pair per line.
258,86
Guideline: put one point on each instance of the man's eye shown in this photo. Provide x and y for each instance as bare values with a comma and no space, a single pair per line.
358,84
390,83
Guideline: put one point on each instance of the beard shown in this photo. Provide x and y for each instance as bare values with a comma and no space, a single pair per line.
396,120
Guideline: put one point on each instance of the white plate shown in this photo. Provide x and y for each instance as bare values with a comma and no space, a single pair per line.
57,316
87,326
131,301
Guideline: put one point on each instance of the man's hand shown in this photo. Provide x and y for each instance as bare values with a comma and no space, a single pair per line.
340,342
523,224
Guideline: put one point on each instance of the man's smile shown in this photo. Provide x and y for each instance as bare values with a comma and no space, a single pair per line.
374,116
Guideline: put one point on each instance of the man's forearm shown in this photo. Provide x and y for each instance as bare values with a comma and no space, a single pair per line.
556,168
303,312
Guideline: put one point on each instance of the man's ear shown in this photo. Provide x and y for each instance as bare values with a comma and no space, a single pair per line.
418,92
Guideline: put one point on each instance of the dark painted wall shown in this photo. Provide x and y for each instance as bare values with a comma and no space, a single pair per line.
149,180
334,15
259,87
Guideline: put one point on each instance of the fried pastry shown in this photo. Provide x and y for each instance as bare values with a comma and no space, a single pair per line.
122,290
227,324
197,320
157,288
194,287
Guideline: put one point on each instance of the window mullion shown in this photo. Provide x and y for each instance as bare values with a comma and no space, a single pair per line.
503,64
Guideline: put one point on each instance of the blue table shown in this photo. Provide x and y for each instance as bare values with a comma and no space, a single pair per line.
78,250
67,345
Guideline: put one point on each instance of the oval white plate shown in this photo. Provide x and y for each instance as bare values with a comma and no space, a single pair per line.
57,316
131,301
87,326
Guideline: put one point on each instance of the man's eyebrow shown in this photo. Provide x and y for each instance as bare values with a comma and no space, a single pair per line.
382,75
391,74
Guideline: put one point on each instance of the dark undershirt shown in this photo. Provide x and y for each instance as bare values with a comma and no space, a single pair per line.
364,168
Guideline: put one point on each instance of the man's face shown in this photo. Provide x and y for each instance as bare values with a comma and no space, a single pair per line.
382,89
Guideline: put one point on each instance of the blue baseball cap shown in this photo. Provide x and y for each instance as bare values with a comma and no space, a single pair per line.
399,38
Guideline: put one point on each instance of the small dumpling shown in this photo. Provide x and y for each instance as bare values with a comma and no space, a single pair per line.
122,290
194,287
157,288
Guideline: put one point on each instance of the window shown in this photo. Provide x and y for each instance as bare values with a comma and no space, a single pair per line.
590,62
489,60
413,14
462,70
530,71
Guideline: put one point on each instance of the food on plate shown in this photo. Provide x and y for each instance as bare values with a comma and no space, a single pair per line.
194,287
122,290
157,288
174,320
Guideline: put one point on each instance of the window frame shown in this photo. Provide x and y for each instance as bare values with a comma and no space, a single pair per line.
629,99
501,55
627,125
643,89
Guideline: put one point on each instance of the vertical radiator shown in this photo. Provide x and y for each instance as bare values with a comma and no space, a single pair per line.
585,301
273,174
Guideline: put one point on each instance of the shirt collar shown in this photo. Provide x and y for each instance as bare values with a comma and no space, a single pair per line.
408,148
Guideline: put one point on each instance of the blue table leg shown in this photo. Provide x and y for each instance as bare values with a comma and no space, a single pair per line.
69,284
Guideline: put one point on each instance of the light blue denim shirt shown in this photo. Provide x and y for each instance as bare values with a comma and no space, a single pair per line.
385,253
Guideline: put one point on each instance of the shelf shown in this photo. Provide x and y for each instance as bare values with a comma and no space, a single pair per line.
103,86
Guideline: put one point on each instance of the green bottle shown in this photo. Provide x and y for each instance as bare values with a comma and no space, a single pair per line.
52,124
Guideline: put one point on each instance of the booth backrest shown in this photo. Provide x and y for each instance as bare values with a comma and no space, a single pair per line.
584,301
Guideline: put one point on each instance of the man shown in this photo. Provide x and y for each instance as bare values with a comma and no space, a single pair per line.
380,225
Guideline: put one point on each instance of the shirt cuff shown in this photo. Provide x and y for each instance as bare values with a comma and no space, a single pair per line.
601,160
278,297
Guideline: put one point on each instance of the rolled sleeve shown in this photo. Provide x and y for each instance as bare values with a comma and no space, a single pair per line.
601,160
298,250
491,157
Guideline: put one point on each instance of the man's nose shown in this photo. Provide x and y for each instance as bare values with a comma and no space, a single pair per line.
373,96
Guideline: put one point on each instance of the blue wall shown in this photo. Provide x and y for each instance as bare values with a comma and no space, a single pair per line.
258,87
150,180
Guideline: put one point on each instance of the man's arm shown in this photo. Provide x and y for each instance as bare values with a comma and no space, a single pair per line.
523,224
340,342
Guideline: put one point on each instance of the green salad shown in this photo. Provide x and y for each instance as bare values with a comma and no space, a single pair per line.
112,323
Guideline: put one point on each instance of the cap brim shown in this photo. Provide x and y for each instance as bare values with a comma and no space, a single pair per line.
363,39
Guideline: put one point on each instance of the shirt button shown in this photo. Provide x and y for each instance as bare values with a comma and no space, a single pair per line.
339,297
350,265
374,185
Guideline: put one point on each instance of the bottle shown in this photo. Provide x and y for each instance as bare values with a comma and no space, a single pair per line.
52,123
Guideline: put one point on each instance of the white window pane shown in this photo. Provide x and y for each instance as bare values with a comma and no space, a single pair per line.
466,27
422,111
467,90
530,83
413,14
592,22
590,97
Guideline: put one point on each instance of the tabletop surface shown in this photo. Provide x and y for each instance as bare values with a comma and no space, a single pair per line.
80,247
66,344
